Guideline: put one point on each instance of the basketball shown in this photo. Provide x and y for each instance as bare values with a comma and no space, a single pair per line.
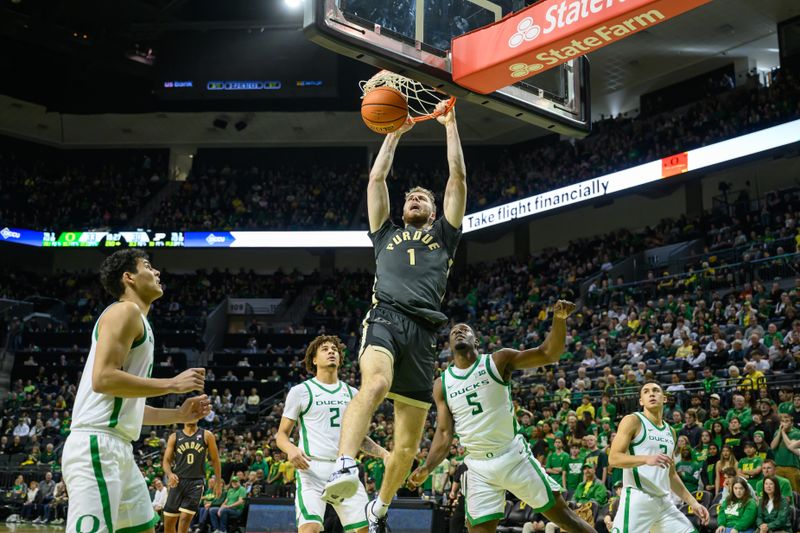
384,109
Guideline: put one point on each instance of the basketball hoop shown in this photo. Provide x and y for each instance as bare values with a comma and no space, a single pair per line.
422,99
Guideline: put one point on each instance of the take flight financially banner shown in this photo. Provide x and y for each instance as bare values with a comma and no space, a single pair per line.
602,186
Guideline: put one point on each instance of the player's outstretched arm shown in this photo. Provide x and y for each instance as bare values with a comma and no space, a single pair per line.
441,439
295,455
166,463
192,410
118,328
213,453
619,457
455,194
549,352
377,191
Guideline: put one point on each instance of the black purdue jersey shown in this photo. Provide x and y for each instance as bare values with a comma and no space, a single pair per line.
190,455
412,267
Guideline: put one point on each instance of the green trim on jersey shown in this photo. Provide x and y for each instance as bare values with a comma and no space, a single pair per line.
303,510
114,420
144,335
491,373
636,478
310,399
141,527
469,373
551,500
484,519
663,422
318,384
644,431
627,510
101,482
349,390
444,389
303,430
357,525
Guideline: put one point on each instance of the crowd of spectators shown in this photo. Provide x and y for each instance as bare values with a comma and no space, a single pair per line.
48,189
61,191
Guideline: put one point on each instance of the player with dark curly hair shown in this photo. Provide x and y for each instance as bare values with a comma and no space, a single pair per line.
317,406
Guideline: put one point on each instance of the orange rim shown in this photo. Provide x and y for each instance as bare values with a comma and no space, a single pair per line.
448,106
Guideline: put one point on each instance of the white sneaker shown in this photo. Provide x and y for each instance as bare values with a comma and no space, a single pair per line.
37,521
341,485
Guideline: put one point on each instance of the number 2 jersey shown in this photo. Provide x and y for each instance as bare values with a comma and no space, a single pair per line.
480,402
318,409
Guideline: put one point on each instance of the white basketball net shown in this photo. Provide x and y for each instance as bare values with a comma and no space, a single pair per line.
422,99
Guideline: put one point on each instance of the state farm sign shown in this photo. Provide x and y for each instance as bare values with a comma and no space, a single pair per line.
551,33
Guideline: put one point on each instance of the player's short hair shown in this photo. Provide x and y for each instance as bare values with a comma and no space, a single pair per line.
115,265
650,382
426,192
314,345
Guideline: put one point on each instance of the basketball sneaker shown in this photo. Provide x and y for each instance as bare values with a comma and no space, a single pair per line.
377,524
343,482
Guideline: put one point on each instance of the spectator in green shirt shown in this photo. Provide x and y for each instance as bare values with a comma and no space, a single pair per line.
710,381
750,465
773,509
785,396
768,470
688,469
557,460
590,489
785,444
607,409
211,498
740,411
231,507
738,511
714,416
259,463
573,466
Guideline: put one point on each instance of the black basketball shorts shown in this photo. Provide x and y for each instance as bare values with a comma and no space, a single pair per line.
185,498
412,347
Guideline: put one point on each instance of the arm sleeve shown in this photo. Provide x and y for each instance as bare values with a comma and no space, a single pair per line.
296,402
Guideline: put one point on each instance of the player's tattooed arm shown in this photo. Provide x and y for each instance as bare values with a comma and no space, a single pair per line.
370,447
549,352
442,438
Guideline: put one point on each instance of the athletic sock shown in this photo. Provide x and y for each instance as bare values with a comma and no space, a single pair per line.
379,508
345,462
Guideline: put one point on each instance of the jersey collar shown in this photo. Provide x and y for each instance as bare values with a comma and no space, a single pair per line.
329,391
469,372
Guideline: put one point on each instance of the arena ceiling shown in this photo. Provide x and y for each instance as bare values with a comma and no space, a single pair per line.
83,48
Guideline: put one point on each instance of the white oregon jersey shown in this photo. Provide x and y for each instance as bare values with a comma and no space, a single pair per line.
319,409
650,440
481,406
121,416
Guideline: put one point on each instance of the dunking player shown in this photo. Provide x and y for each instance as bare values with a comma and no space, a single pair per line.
107,490
473,398
317,404
187,450
643,448
398,343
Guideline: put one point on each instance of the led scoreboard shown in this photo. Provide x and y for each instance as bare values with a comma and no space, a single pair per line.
110,239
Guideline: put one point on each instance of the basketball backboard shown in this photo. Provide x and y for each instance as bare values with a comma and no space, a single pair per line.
412,38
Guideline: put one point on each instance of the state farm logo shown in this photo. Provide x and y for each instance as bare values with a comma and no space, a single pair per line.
522,70
527,30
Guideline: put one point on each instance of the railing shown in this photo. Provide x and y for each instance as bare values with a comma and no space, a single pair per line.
734,253
712,278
